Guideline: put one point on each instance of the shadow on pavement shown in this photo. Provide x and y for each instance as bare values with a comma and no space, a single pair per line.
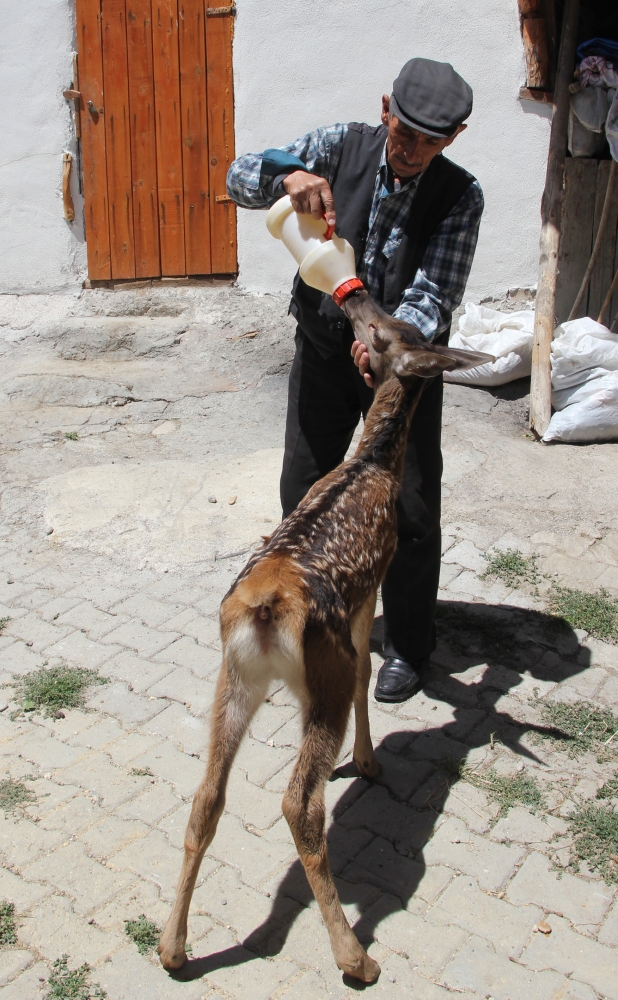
484,653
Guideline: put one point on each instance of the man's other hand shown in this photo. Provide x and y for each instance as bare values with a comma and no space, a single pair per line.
361,360
310,195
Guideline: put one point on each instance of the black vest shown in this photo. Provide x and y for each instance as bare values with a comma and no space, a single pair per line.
439,190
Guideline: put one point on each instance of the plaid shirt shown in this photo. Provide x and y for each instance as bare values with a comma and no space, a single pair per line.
438,286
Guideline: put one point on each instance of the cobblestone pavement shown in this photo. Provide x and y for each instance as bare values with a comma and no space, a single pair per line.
105,563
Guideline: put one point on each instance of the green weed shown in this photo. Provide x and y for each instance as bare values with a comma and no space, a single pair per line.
610,789
14,795
143,932
581,727
455,768
141,772
512,567
52,688
70,435
519,789
72,984
3,623
7,922
596,840
596,613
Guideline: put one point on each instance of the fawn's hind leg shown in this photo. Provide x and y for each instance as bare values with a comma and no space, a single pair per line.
364,757
330,678
235,704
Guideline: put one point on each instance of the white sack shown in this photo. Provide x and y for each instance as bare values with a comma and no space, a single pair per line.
592,414
508,336
579,345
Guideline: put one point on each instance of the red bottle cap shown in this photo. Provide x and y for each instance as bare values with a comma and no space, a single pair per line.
346,289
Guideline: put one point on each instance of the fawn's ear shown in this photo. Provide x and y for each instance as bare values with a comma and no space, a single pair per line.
430,360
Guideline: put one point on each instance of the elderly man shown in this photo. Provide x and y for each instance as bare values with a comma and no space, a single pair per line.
412,217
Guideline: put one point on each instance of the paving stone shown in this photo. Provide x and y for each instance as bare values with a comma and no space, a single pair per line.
30,984
448,572
268,719
601,654
260,981
155,802
80,651
103,731
132,709
469,584
140,897
124,750
434,745
102,594
20,891
178,621
52,609
144,640
398,980
226,898
574,955
310,986
147,610
428,946
111,835
307,942
88,618
175,723
608,933
18,659
433,881
154,859
471,805
608,694
71,870
42,749
49,795
381,865
582,686
13,962
167,761
466,554
181,685
407,828
55,930
255,806
402,777
580,901
99,777
139,674
256,859
261,762
453,845
521,826
186,652
205,630
478,968
34,630
454,721
508,927
129,976
72,816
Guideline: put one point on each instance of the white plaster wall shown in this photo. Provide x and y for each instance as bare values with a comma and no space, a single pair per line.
299,65
39,250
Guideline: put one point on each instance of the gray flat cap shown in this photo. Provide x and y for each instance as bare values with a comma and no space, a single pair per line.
431,97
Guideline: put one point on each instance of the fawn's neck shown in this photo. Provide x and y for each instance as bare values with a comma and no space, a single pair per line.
387,424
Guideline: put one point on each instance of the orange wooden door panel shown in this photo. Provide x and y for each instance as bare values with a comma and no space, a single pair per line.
93,139
219,31
194,135
143,146
168,136
118,138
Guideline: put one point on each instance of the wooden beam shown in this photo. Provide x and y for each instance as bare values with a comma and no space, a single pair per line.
551,209
535,48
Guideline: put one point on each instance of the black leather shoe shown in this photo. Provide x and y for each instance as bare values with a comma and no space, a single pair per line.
398,680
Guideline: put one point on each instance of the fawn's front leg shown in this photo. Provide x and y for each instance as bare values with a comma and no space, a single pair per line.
235,704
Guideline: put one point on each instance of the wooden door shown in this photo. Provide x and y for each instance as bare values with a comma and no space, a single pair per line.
156,109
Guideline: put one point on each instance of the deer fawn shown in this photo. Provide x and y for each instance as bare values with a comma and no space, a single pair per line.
301,611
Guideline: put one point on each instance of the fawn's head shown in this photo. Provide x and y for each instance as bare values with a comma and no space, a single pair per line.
399,349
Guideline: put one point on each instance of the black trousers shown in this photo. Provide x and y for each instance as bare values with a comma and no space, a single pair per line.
326,400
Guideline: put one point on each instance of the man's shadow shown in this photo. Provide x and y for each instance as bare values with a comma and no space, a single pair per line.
483,653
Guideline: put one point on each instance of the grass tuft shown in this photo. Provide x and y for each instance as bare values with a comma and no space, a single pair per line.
582,727
3,623
72,984
596,613
596,840
14,795
52,688
610,789
143,932
7,922
141,772
512,567
509,790
70,435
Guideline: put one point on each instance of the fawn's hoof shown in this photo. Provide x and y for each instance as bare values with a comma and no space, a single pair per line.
171,958
364,968
368,768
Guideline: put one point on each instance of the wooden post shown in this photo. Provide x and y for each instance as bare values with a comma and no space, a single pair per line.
551,209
